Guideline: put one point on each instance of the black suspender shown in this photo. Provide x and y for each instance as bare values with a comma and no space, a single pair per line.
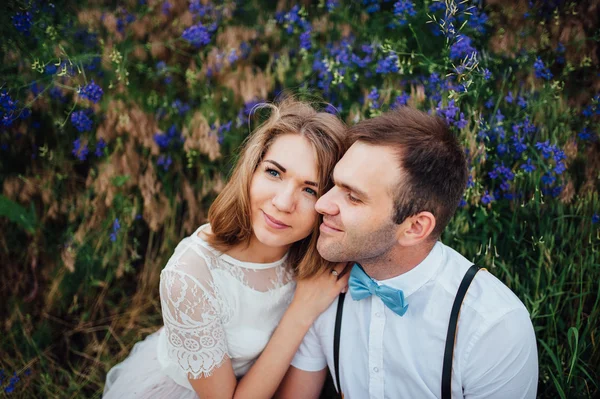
450,336
336,342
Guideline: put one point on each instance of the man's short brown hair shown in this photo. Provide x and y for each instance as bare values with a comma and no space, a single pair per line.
432,163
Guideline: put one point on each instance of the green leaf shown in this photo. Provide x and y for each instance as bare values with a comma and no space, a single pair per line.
18,214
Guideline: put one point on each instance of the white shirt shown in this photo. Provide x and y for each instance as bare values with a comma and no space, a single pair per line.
215,306
383,355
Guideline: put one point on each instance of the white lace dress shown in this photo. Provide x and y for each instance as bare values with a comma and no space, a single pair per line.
213,306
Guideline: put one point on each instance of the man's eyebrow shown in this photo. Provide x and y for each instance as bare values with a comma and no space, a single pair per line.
307,182
350,188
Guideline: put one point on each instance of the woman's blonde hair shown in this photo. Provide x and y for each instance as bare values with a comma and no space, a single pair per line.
230,213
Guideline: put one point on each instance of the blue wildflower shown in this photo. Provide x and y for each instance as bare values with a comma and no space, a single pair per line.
462,48
100,146
486,198
165,162
388,64
36,88
541,71
548,179
528,166
22,22
181,107
80,151
487,74
331,5
116,226
166,8
305,42
401,100
196,7
91,92
197,35
595,218
509,97
373,97
490,103
404,9
81,120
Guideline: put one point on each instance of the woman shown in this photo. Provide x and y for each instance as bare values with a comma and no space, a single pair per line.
231,325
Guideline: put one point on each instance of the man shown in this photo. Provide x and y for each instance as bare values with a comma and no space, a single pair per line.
395,191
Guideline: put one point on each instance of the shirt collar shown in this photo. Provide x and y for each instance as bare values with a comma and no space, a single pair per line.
415,278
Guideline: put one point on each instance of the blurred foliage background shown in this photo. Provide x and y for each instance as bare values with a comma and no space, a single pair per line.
119,122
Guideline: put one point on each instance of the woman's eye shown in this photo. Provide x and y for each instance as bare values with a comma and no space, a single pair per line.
311,191
272,172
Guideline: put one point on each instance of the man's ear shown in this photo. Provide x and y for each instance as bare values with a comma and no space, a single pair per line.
416,229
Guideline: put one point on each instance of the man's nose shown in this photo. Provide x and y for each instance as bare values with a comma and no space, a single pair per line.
326,204
284,200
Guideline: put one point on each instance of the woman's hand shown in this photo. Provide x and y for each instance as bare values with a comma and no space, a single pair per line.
314,294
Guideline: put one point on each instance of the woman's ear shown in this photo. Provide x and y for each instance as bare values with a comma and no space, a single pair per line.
416,229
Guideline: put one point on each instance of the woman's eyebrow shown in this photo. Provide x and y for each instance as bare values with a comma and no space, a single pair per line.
277,164
307,182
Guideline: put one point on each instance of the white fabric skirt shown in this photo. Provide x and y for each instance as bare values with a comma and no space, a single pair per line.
140,376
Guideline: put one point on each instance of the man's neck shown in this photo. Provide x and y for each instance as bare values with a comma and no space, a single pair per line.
397,261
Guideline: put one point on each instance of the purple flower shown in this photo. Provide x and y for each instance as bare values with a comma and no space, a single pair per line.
80,151
462,48
81,120
100,146
197,35
528,166
233,56
373,97
541,71
305,42
91,92
387,64
404,9
166,8
509,97
486,198
595,218
401,100
165,162
22,22
116,226
487,74
331,5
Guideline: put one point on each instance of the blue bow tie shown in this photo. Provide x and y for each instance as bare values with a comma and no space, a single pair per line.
362,286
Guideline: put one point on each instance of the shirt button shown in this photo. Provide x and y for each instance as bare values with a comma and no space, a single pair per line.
378,314
376,369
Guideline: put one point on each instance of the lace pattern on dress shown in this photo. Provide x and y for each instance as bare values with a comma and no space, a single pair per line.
194,308
192,318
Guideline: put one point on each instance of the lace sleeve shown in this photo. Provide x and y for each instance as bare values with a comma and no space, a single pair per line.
191,313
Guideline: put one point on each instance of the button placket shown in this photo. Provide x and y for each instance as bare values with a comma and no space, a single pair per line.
376,327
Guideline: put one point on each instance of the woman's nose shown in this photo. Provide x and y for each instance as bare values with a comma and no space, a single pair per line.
284,200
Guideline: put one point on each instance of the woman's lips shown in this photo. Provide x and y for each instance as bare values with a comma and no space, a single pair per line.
274,223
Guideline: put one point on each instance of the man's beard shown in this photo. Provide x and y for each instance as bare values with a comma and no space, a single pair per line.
369,246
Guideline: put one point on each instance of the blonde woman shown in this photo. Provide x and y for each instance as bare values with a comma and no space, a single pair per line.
239,294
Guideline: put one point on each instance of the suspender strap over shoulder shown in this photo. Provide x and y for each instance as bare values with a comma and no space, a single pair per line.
336,342
451,335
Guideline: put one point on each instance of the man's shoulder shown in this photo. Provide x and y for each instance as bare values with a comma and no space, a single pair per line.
487,296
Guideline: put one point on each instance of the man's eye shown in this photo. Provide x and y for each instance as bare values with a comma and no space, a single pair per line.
352,199
272,172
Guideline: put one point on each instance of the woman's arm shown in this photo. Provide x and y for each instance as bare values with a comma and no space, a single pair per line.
311,298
